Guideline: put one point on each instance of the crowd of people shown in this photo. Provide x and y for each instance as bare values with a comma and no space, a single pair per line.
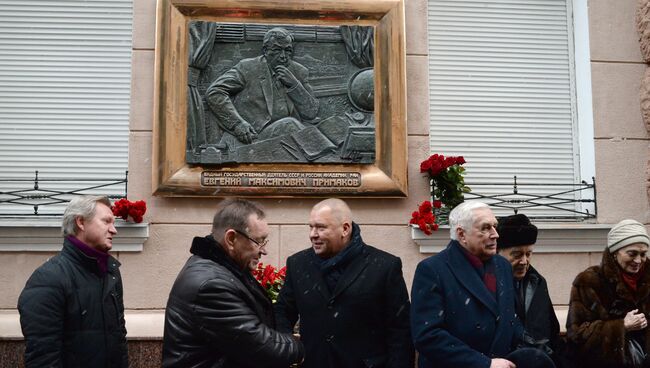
478,303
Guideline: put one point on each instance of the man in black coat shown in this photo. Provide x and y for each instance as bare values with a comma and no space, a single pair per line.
533,305
71,309
351,298
217,314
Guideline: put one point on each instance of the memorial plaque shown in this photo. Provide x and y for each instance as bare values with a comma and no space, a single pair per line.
274,98
280,93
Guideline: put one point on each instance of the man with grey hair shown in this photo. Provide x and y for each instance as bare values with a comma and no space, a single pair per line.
463,311
350,297
71,309
217,314
265,96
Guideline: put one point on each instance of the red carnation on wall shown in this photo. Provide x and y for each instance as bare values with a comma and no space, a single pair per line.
446,178
126,209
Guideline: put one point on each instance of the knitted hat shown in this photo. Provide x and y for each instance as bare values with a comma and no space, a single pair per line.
516,230
625,233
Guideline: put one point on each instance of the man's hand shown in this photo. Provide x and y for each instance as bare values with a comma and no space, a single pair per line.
502,363
285,76
635,321
245,132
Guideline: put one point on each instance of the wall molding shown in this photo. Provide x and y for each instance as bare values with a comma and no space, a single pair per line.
44,235
551,238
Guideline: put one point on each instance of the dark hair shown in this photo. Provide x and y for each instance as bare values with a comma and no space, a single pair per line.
233,213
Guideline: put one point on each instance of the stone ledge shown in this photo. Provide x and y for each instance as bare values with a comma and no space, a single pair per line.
140,324
551,238
44,235
148,325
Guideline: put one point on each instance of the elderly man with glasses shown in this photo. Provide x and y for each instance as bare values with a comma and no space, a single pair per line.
217,314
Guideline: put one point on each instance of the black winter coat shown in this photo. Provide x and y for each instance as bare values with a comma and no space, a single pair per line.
539,317
72,317
363,322
219,316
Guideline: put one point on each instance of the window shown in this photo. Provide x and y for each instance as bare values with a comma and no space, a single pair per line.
65,79
510,91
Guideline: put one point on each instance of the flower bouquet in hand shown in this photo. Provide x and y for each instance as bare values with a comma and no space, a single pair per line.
127,209
271,279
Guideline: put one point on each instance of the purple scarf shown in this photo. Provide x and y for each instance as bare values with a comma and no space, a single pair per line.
484,269
100,257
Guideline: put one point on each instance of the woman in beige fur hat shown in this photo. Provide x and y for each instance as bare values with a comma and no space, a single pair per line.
607,321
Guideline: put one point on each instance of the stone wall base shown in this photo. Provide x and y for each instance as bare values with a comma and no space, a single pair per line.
142,353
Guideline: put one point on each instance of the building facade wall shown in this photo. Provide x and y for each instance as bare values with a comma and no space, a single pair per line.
620,139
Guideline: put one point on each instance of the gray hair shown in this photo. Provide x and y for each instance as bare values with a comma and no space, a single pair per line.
273,34
80,206
233,213
462,216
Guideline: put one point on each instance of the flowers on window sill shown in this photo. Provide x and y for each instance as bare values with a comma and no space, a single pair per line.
128,210
271,279
424,217
447,182
446,178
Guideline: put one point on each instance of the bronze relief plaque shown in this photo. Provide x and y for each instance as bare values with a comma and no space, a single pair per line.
276,99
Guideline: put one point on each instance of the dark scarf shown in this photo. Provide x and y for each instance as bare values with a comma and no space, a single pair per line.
209,248
100,257
334,267
486,270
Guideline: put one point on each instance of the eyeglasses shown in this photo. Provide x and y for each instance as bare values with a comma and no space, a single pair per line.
260,244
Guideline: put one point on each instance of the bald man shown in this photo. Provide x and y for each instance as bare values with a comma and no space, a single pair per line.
351,298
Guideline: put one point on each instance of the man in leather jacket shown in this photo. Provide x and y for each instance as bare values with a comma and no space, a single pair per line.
217,314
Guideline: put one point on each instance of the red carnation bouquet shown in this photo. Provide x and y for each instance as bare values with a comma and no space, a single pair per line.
271,279
127,209
424,217
446,177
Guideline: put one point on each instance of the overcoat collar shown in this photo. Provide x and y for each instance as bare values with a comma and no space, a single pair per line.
351,273
469,278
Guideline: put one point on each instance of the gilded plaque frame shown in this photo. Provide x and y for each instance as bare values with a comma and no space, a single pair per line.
387,177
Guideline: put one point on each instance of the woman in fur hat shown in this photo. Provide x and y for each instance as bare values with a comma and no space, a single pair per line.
607,321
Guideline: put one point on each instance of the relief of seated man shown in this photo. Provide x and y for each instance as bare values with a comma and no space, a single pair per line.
265,96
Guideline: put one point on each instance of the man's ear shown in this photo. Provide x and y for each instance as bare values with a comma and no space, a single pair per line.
460,234
347,228
229,239
80,222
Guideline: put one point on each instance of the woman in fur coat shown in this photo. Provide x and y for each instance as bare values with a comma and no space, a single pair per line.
607,325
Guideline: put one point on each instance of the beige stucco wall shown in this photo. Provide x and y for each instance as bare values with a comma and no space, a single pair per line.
621,144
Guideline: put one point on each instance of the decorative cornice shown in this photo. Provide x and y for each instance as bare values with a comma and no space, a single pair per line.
551,238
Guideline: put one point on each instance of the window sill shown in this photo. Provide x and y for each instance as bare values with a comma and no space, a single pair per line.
44,235
551,238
